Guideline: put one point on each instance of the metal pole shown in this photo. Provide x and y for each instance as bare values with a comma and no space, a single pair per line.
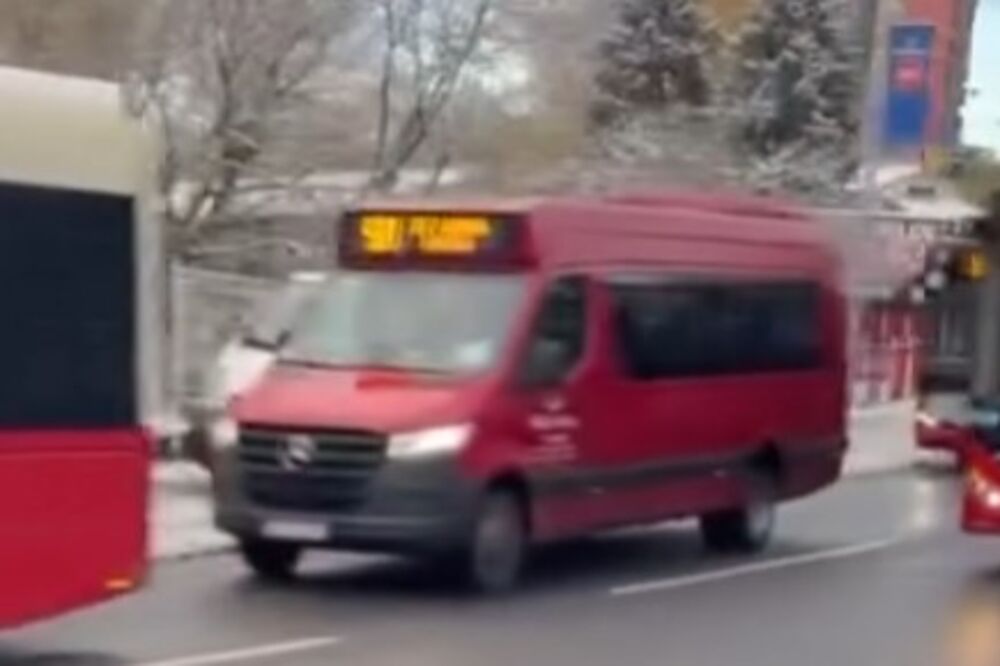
874,105
986,354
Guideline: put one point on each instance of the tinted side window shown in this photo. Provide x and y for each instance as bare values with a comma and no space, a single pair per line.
668,329
559,337
67,342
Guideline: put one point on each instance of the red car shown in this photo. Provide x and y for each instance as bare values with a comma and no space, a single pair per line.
946,423
981,505
936,434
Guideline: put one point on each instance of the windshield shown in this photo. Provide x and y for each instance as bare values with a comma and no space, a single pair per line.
443,323
961,411
276,314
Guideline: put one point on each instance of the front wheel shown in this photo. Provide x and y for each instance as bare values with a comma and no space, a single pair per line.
496,553
749,528
271,560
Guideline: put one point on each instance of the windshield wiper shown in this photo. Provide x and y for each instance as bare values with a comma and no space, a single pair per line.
378,366
387,367
313,363
275,344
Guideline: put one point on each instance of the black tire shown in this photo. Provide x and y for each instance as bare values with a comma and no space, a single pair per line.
747,529
495,555
271,560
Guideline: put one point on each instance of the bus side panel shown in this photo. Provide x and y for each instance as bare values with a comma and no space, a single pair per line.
72,531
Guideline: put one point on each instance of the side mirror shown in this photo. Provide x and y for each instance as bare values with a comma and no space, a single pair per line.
547,363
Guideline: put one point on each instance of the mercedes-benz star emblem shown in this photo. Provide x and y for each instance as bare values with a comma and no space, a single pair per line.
298,452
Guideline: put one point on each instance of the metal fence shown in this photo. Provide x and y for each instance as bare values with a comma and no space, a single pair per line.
208,308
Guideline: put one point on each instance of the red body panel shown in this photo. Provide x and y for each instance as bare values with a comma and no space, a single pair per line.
978,517
391,402
72,519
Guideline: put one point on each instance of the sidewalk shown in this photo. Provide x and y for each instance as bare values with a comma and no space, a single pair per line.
881,441
182,513
882,438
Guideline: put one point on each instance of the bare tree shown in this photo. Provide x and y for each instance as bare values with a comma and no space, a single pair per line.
224,79
428,45
81,37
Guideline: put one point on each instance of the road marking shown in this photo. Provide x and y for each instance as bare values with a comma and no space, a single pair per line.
667,584
250,654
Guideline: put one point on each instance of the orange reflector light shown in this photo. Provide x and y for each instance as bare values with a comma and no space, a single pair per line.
119,584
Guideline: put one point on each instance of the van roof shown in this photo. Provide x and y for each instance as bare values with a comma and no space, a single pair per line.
484,204
653,227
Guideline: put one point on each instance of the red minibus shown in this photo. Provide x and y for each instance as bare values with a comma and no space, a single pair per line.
477,378
80,280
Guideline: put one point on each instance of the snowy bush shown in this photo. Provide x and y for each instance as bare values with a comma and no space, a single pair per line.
795,97
656,55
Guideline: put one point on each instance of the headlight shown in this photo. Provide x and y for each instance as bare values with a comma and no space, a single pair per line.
224,434
985,489
430,443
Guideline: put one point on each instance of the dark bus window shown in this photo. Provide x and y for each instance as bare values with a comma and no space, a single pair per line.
559,338
668,330
67,341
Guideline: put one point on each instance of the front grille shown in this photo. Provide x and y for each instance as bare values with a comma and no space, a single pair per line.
335,476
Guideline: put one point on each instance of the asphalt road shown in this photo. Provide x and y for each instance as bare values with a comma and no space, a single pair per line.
871,572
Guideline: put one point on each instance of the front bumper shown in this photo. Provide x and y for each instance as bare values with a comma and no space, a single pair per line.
408,507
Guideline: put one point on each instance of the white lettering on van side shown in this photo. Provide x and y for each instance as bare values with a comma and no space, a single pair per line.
550,422
552,453
554,432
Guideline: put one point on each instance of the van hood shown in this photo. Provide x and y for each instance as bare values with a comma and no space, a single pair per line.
385,401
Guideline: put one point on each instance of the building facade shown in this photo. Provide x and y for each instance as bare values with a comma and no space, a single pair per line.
952,21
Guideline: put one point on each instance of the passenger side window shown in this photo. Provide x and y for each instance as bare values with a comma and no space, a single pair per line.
667,329
559,338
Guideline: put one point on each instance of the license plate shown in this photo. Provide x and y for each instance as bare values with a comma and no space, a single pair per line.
295,531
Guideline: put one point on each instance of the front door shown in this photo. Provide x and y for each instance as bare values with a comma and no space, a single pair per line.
556,411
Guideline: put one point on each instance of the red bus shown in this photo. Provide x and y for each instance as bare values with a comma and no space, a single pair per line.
481,377
81,279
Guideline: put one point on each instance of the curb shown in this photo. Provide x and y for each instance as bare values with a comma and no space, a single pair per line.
884,469
882,411
194,554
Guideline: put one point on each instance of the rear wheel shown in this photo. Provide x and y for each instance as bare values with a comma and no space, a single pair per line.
747,529
270,560
495,555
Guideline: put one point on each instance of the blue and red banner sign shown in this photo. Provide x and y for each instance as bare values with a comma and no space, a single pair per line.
908,102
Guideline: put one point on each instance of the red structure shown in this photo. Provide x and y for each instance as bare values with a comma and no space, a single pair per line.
889,345
952,21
